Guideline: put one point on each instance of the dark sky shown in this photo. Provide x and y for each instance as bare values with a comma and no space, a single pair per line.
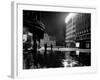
55,24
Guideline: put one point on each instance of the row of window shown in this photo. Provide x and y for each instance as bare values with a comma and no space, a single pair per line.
85,31
70,33
73,33
70,28
83,37
70,36
81,26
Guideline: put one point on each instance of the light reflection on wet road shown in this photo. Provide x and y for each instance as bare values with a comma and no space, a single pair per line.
56,59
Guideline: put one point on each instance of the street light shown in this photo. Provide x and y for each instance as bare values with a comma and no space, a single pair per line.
70,16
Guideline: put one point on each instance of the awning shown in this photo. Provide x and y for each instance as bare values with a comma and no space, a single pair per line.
34,25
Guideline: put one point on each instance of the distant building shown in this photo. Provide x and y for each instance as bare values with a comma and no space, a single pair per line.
78,31
47,40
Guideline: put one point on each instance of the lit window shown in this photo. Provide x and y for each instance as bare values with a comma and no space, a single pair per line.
77,53
77,44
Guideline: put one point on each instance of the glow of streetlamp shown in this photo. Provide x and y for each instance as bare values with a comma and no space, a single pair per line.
70,15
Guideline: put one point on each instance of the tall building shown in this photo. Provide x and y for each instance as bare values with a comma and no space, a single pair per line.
78,30
70,30
83,30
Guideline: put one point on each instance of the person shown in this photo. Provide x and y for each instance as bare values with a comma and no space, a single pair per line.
51,49
45,54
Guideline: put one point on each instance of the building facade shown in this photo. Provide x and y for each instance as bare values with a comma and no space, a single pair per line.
47,40
83,30
70,32
33,31
78,31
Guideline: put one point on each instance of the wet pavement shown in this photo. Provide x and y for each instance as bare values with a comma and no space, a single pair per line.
56,59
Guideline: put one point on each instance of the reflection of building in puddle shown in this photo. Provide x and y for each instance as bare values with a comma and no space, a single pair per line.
77,53
69,63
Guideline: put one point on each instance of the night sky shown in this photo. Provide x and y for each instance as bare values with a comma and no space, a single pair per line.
55,24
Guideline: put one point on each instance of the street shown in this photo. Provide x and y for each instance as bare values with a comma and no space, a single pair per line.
62,57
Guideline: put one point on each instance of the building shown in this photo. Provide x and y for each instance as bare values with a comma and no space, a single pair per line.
33,31
70,30
32,22
78,30
47,40
83,30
